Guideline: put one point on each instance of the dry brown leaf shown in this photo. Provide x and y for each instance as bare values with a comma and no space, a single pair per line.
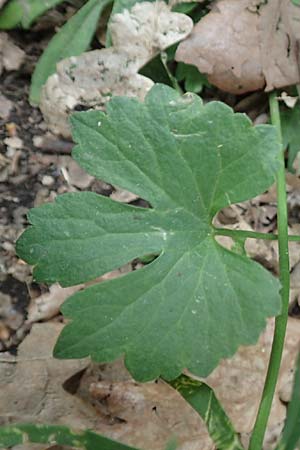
123,196
245,45
73,173
31,384
11,56
133,413
92,78
32,391
238,382
47,305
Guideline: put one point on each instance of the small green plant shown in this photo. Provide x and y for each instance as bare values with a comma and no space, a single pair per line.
194,303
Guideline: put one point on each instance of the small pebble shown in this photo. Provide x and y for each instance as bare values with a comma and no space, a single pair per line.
14,142
47,180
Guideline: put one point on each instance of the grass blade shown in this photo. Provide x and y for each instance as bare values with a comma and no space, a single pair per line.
24,12
56,435
73,39
291,432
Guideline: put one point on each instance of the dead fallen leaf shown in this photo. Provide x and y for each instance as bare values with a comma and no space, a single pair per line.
238,382
91,79
106,399
11,56
120,195
31,384
245,45
73,173
47,305
32,391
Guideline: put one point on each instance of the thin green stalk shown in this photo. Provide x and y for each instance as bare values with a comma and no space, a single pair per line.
251,235
256,441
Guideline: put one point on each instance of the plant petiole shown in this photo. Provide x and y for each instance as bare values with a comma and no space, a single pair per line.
256,441
237,234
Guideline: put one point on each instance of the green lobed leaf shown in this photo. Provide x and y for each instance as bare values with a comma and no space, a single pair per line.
24,12
202,398
195,303
72,39
291,432
55,434
290,123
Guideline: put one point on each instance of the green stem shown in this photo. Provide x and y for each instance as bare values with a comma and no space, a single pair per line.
256,441
251,235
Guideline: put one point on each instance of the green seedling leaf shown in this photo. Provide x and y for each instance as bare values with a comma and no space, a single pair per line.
290,123
185,8
156,71
291,432
195,303
202,398
194,81
73,39
24,12
56,435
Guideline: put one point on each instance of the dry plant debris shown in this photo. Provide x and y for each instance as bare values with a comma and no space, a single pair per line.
47,305
245,45
238,382
32,386
90,80
11,56
38,388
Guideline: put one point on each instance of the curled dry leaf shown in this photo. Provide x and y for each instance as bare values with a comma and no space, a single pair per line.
90,80
11,56
245,45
